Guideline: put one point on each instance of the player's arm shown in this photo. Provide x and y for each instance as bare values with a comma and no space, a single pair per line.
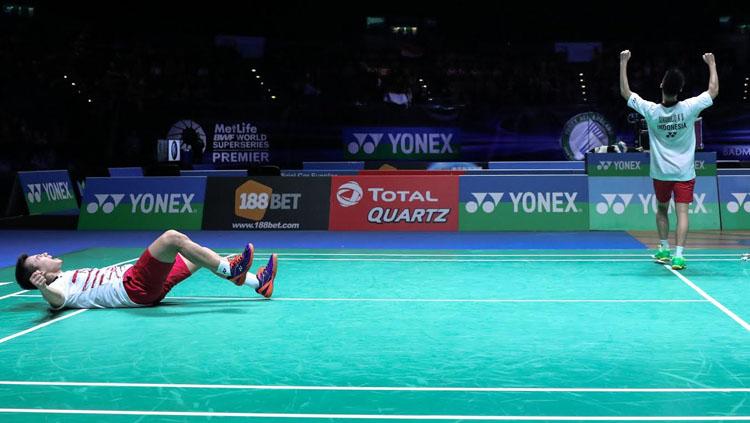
713,77
51,294
624,87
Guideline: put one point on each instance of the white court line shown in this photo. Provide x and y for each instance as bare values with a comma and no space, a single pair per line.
703,294
642,255
371,388
19,293
24,332
371,416
5,283
518,260
37,327
426,300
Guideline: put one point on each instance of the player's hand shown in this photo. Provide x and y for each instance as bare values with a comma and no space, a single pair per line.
709,58
38,280
624,55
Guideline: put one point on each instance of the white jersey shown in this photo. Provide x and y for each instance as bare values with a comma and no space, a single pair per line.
94,288
671,131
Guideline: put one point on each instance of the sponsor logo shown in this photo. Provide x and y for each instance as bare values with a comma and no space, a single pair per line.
366,143
742,202
619,165
736,151
611,202
170,203
395,215
54,191
402,143
35,193
584,132
253,199
618,203
189,132
488,201
105,202
349,194
526,202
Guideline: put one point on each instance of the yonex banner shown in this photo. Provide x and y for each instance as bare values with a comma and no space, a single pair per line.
394,203
143,203
522,203
403,143
270,202
637,164
48,192
734,195
630,204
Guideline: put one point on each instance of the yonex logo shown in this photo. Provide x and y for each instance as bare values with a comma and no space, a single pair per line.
35,193
610,202
107,202
698,206
742,203
619,165
349,194
365,144
488,201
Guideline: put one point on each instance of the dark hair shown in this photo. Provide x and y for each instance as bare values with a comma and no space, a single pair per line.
673,82
23,274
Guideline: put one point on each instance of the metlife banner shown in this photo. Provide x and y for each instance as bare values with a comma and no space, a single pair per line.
521,203
267,203
630,204
48,192
734,195
154,203
401,143
223,143
638,164
394,203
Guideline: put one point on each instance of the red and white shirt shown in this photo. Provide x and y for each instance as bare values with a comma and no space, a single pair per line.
94,288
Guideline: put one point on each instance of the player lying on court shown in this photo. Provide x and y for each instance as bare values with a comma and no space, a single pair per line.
170,259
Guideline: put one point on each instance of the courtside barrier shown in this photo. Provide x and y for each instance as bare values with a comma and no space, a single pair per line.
48,192
734,196
153,203
523,203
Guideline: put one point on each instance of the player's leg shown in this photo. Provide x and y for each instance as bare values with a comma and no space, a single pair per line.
663,192
683,192
166,247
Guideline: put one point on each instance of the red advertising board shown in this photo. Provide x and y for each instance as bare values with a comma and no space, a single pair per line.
394,203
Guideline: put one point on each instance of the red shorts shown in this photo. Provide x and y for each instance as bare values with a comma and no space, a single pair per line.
683,190
149,280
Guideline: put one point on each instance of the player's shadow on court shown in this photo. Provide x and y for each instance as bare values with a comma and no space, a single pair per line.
45,314
185,308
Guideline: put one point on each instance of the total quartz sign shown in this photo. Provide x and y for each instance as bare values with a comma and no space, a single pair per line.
394,203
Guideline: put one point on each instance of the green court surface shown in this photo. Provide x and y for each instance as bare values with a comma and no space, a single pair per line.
375,335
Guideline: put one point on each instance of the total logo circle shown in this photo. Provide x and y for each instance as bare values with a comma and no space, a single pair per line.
349,194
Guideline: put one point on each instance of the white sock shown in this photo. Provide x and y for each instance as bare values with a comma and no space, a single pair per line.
678,251
224,268
252,281
663,244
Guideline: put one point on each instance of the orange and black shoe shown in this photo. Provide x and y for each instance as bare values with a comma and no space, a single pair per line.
240,264
266,274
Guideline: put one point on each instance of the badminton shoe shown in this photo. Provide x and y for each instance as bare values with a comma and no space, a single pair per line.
240,264
678,263
266,274
662,256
